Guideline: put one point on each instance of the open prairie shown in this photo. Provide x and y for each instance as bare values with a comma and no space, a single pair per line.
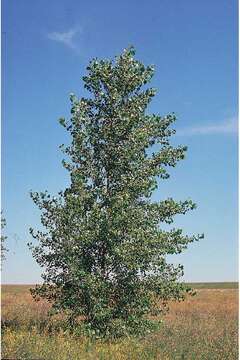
202,327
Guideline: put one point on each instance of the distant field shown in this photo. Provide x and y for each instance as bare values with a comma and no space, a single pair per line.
214,285
204,326
15,288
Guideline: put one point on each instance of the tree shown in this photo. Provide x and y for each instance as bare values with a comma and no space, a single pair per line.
103,250
3,238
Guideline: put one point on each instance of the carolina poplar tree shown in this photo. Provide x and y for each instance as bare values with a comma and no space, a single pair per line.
104,251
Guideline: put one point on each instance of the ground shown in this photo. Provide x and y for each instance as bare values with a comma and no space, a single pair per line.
202,327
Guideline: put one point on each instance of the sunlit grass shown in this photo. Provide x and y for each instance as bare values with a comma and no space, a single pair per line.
202,327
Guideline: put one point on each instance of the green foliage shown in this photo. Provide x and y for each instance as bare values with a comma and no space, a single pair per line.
103,250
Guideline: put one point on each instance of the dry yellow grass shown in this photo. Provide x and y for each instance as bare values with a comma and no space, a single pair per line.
201,327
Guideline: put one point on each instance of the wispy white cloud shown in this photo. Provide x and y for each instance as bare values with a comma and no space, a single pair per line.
67,38
229,126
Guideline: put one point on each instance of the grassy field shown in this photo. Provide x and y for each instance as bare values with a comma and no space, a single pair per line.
202,327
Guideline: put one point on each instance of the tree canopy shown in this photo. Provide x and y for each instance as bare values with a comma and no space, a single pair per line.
104,249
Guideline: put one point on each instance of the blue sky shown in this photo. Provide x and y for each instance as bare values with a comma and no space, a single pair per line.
46,46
